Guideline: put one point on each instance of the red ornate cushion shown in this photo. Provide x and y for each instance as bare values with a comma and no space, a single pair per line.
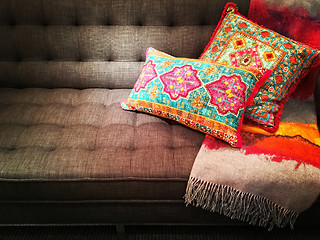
239,42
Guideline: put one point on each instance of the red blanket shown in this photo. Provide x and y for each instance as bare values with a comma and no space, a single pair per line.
298,20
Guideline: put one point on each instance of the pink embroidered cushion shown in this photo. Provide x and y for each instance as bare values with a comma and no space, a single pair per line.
208,97
240,42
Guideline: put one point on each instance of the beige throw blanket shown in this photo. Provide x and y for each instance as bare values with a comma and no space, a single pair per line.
267,182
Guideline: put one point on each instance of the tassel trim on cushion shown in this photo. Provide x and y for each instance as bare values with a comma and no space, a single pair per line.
255,210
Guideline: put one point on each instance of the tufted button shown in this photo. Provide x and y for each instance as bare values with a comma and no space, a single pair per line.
44,24
93,148
49,58
12,22
52,149
107,23
171,24
140,59
203,23
139,23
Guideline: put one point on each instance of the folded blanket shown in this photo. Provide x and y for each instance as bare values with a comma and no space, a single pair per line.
267,182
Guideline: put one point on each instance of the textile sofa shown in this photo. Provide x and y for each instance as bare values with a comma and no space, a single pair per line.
68,153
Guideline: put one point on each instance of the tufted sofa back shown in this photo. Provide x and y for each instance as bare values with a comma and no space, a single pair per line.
97,43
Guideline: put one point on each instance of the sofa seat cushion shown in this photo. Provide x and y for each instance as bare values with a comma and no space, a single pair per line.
69,144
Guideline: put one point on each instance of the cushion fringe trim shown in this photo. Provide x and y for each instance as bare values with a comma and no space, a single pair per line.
254,209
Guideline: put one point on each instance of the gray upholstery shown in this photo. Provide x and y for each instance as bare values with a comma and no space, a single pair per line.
65,142
70,135
97,43
68,152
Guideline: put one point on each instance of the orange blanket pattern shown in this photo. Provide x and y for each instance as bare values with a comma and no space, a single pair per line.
268,182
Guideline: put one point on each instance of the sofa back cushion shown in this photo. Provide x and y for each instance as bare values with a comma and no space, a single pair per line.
97,43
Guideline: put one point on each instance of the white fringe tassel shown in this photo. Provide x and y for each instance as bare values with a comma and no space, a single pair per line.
235,204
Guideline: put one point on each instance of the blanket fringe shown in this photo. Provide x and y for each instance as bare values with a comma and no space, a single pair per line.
255,210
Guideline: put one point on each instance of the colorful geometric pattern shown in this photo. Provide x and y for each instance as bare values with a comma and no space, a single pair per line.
242,50
180,81
147,74
246,58
269,56
205,96
240,42
228,94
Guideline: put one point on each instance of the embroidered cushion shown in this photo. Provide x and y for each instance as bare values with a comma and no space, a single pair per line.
240,42
208,97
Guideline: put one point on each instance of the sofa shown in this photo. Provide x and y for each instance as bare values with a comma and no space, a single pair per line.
69,154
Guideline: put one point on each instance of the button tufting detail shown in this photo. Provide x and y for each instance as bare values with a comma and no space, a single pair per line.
51,149
92,149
